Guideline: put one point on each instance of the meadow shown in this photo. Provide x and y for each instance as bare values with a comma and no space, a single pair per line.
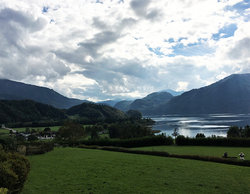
77,170
200,150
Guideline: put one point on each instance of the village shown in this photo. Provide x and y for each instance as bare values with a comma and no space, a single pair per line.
31,134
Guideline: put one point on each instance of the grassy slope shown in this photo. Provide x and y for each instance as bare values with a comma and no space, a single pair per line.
74,170
201,150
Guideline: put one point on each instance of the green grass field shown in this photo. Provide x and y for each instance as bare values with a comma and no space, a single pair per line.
200,150
4,131
75,170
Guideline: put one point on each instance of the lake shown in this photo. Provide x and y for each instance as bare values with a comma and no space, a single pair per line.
210,124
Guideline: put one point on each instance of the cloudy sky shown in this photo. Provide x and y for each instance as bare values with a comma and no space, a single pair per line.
109,49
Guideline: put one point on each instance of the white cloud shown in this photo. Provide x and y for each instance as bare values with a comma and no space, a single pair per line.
124,49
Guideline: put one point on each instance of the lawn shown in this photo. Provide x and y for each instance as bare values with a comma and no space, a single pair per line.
201,150
76,170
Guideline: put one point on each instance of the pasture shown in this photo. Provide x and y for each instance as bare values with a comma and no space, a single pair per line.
77,170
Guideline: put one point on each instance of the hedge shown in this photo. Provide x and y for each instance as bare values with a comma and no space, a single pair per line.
38,147
209,141
166,154
128,143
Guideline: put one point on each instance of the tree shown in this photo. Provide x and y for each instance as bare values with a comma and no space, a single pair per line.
233,131
246,131
175,133
129,129
94,131
27,130
32,137
71,131
134,114
200,135
47,129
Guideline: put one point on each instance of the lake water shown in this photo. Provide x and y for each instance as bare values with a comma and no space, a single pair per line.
211,124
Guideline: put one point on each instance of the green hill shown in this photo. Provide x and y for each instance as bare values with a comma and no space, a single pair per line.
12,90
12,111
96,112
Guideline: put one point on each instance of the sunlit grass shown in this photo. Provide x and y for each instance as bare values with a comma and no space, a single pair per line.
75,170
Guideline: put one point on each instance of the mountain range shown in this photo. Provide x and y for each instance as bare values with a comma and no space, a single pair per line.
229,95
12,90
146,104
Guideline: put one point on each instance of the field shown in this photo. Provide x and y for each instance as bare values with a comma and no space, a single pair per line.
201,150
4,131
75,170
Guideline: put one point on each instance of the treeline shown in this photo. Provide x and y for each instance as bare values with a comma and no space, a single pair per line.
123,129
213,141
27,113
12,111
240,132
128,143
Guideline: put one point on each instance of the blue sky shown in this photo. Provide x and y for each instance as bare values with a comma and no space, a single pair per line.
99,50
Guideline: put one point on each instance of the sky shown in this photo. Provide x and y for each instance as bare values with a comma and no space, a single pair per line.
120,49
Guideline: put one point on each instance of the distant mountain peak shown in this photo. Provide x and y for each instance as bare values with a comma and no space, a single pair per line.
229,95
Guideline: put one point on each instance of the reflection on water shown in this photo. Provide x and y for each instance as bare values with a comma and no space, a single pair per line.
212,124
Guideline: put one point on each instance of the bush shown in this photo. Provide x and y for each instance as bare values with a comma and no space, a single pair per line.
38,147
14,170
8,143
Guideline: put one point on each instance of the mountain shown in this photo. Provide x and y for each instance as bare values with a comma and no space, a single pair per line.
229,95
90,112
146,104
12,111
12,90
123,105
174,93
109,102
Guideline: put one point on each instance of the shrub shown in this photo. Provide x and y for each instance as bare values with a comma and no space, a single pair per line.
38,147
14,170
3,190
